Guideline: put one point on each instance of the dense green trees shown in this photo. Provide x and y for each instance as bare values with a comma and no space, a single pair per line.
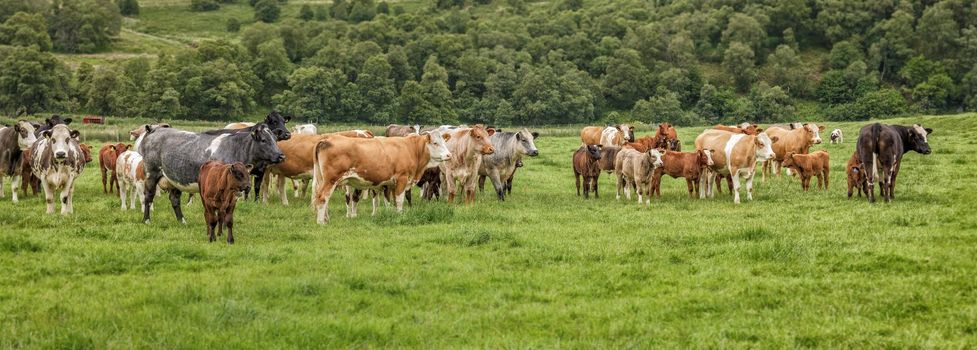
565,61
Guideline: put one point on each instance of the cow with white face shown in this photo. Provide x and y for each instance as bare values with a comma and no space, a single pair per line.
14,140
797,141
736,155
57,160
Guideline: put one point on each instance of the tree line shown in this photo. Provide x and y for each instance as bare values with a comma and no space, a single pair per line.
511,62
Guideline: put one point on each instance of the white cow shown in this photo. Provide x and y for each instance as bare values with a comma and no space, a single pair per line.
57,160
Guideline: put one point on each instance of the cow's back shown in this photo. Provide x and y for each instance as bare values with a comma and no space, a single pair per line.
590,135
716,140
179,154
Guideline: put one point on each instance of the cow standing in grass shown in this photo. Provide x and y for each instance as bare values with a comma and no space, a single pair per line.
688,165
14,142
57,160
882,146
586,164
500,166
468,145
810,165
107,157
736,155
635,168
275,122
219,185
855,171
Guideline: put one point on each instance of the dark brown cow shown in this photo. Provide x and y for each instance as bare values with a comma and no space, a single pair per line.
688,165
107,156
882,146
856,175
220,184
585,163
810,165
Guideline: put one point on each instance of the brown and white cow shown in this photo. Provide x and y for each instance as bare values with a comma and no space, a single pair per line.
299,153
14,141
735,155
132,179
220,186
614,135
688,165
810,165
394,130
107,156
636,168
377,163
855,172
57,160
798,141
304,129
467,147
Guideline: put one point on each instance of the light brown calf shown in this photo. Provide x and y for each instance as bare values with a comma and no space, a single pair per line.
220,184
809,165
107,157
856,175
688,165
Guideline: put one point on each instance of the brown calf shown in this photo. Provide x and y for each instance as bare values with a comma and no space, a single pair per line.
219,185
107,156
585,163
682,164
808,165
856,175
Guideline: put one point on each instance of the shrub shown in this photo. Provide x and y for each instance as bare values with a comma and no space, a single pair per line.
305,13
128,7
204,5
233,25
267,10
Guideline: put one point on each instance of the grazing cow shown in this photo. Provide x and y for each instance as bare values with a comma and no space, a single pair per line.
402,130
220,185
132,179
107,157
135,133
798,141
585,163
275,122
468,145
745,128
372,164
635,168
855,171
810,165
304,129
883,146
173,158
298,150
615,135
735,155
837,136
682,164
667,138
510,147
57,160
14,141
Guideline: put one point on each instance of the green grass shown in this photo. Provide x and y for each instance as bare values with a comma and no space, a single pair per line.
544,269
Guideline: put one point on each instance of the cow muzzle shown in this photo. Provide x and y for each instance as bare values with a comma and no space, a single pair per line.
533,153
61,155
488,150
817,141
280,158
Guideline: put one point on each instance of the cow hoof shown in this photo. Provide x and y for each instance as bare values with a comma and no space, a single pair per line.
183,221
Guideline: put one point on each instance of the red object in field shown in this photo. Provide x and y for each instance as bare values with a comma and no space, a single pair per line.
92,119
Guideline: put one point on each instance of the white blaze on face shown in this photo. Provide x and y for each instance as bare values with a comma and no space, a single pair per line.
437,148
815,133
921,131
60,136
25,142
626,129
417,128
765,151
656,157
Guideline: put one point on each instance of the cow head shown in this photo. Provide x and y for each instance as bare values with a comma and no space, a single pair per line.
814,131
276,123
789,160
704,157
593,151
919,138
481,135
764,149
239,178
437,146
86,150
264,146
527,142
59,139
627,131
25,134
120,148
657,155
57,120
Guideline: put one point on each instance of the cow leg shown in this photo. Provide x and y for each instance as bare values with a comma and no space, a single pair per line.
259,176
211,220
749,185
281,189
827,178
735,188
48,196
152,181
320,199
264,189
66,194
114,181
123,191
14,183
449,185
851,186
229,222
892,184
101,168
175,202
496,183
594,183
481,183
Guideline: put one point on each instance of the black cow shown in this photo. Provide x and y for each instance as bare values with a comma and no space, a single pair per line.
275,122
49,123
881,145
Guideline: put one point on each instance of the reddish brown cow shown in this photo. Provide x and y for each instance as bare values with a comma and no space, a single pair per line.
809,165
856,175
682,164
220,184
107,157
752,129
643,144
667,138
797,140
585,163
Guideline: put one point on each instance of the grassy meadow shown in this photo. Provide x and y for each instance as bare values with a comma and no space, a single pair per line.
543,269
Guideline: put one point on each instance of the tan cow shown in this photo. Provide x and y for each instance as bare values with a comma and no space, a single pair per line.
57,160
735,155
810,165
797,140
377,163
635,168
615,135
467,146
299,160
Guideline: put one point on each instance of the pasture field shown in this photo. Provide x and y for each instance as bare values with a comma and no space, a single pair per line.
545,269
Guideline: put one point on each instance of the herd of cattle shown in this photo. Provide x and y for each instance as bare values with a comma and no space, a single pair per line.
445,161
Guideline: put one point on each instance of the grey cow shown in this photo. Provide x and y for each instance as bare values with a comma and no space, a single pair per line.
172,158
510,147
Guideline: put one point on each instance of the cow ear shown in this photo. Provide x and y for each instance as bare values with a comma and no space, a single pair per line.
287,118
928,131
74,134
248,168
446,136
47,121
67,121
535,135
46,134
774,139
759,130
820,127
490,132
128,147
16,127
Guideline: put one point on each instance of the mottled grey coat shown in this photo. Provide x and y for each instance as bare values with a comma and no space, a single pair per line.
14,140
57,159
510,147
173,158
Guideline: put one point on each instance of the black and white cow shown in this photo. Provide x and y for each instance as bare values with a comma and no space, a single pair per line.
14,140
172,158
881,145
510,147
57,159
275,122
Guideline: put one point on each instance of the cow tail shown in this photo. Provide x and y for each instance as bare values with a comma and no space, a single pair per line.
876,133
315,174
